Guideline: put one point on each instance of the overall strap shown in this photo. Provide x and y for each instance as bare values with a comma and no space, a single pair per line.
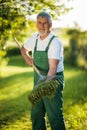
35,48
49,43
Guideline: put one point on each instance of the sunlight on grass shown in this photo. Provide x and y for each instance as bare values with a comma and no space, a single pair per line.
72,73
11,70
12,80
75,99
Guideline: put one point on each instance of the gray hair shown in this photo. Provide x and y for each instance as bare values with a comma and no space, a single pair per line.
45,14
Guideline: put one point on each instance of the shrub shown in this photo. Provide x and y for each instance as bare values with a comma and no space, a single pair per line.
13,51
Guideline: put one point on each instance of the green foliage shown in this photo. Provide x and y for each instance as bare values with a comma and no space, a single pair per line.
13,51
14,14
3,60
76,53
2,53
73,50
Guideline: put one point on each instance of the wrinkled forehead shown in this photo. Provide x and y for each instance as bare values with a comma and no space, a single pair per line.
43,19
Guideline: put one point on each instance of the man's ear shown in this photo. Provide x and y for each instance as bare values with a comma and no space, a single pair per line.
50,25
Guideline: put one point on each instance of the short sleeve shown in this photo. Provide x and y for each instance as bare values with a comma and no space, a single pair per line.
55,50
30,43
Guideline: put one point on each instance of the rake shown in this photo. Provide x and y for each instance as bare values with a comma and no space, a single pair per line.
43,87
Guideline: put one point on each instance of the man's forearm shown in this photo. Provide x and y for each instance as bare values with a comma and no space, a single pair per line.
52,71
53,67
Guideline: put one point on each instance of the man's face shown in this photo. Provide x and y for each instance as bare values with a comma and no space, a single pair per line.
43,26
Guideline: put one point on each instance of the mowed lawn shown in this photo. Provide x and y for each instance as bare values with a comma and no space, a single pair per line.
16,81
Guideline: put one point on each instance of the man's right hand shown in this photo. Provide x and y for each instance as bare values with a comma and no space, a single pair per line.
25,55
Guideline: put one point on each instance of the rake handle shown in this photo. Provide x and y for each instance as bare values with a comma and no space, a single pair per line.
17,42
20,46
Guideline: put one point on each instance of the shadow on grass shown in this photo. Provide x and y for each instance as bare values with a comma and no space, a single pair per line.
14,109
17,61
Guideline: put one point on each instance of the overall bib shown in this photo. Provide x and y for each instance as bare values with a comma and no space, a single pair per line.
53,106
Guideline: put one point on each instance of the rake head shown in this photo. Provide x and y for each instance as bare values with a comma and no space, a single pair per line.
45,88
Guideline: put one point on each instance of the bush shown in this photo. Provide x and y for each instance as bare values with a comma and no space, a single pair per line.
3,60
76,53
13,51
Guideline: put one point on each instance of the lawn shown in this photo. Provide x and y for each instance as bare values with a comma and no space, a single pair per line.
16,81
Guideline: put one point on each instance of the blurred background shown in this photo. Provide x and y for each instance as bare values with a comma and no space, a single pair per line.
17,19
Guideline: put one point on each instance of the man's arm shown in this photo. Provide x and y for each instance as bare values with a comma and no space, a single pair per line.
27,58
53,67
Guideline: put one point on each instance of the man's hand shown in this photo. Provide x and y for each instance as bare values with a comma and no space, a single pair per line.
29,61
25,55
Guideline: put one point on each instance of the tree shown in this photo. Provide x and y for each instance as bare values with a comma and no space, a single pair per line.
13,14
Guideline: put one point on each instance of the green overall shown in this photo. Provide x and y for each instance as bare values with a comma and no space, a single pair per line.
53,106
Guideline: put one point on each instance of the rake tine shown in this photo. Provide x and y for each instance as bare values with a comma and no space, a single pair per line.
60,79
47,88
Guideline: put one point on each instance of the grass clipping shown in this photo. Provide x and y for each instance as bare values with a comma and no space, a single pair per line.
45,88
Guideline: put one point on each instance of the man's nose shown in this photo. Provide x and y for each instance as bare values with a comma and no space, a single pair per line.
42,24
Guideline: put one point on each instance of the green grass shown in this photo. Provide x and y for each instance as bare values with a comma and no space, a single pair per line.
75,99
16,81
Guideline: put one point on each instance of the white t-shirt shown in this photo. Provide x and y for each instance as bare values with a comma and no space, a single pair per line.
55,49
